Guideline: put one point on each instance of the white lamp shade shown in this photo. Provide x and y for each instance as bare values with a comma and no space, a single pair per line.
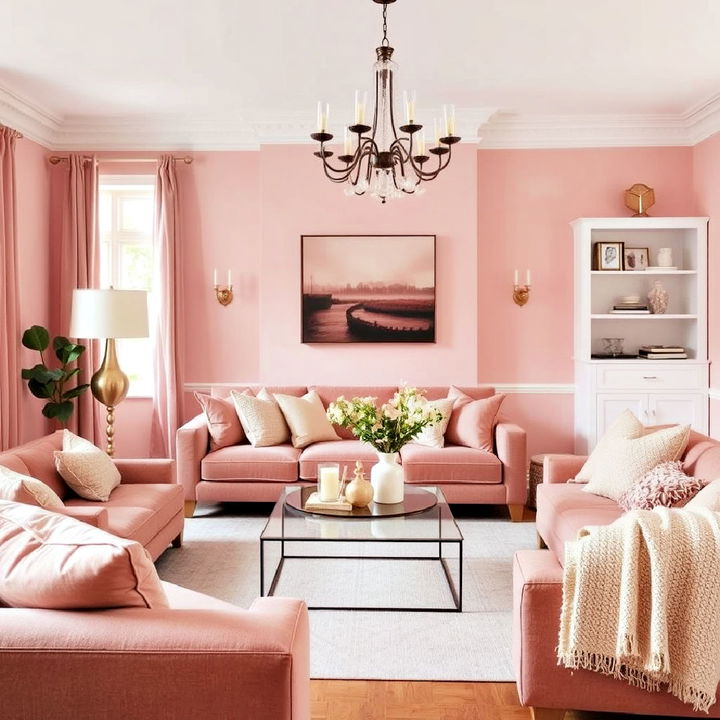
109,314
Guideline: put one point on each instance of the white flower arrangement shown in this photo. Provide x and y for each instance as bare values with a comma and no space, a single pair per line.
389,427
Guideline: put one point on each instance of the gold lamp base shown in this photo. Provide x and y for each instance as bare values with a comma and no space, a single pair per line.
109,386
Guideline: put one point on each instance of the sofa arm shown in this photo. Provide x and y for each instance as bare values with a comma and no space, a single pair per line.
96,516
511,448
146,471
180,664
191,446
560,468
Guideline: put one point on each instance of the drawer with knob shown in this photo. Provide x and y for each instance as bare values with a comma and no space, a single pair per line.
652,377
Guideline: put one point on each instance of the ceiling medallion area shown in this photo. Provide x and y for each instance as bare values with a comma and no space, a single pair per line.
376,159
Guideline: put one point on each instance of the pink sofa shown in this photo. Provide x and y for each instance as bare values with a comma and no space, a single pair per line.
147,506
562,509
202,658
244,473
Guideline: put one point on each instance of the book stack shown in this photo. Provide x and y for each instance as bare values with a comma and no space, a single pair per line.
631,308
315,503
662,352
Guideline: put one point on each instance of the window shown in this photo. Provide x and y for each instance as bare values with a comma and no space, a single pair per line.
126,216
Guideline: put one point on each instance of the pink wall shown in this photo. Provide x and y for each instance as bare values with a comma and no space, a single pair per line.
33,207
706,176
297,199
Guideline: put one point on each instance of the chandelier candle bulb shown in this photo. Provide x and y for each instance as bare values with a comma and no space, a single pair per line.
323,115
421,143
450,120
346,143
409,106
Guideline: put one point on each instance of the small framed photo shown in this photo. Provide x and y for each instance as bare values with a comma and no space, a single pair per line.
608,256
635,259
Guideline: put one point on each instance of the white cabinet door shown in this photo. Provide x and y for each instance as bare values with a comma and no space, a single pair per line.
610,405
682,408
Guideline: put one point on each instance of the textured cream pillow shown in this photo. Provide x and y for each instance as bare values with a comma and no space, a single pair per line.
708,497
434,435
25,489
261,418
629,459
306,419
626,425
88,470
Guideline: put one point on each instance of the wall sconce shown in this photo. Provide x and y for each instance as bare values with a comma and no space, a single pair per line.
224,294
521,293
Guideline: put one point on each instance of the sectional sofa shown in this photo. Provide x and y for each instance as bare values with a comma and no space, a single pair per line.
562,509
245,473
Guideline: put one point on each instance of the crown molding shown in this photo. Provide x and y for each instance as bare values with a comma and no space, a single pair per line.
34,122
489,128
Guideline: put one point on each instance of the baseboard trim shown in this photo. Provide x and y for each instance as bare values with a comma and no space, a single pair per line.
509,388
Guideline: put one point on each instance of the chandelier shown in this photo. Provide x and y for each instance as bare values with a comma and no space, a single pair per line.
375,159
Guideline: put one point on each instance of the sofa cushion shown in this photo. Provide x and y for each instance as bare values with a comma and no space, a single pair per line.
139,512
36,459
345,452
277,463
472,422
564,508
451,464
330,393
434,435
702,457
23,488
223,422
48,560
261,418
306,419
88,470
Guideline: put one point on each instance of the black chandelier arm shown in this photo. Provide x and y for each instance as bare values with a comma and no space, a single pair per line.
432,174
344,172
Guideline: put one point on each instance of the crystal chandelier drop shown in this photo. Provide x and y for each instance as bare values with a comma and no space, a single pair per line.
375,159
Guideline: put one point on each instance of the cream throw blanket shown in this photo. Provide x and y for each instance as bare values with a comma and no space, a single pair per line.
641,602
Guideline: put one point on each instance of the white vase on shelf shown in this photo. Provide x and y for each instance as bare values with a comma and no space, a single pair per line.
658,298
388,479
664,257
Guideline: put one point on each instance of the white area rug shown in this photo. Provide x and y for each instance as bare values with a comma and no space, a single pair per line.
221,557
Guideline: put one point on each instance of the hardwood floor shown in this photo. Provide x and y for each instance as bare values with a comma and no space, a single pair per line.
403,700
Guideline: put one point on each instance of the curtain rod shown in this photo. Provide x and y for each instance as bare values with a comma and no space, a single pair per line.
55,159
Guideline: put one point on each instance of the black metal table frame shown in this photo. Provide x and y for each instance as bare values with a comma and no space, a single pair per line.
455,591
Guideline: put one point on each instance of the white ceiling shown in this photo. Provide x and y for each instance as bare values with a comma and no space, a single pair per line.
205,72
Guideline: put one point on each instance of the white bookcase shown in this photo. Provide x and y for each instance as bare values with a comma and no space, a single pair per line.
657,391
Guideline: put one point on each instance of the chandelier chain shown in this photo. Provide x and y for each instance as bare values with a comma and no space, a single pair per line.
385,41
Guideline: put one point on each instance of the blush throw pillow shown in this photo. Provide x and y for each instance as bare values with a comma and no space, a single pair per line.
261,418
25,489
306,419
52,561
223,422
88,470
628,459
626,425
434,435
708,497
666,484
472,422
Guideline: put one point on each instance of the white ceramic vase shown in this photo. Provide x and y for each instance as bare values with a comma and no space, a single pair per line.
665,257
388,479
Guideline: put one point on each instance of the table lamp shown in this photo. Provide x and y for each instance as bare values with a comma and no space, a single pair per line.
109,314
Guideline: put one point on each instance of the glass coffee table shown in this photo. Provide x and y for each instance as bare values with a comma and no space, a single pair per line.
418,532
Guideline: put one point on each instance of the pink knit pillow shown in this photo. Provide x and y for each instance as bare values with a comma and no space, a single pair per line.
666,484
222,420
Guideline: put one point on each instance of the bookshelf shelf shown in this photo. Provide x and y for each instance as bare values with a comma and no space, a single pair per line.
675,391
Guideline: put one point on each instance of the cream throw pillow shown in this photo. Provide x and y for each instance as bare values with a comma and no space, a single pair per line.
629,459
25,489
88,470
434,435
261,418
625,425
306,419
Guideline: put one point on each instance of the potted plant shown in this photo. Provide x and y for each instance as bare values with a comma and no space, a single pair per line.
50,383
388,429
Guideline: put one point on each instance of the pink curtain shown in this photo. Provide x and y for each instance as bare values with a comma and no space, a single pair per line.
75,265
10,383
168,306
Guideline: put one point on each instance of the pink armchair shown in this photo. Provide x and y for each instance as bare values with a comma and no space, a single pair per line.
203,658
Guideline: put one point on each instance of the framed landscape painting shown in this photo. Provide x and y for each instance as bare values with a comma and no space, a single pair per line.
368,288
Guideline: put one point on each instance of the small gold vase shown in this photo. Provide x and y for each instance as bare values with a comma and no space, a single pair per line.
359,491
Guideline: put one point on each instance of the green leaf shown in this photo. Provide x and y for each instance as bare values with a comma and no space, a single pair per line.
41,390
38,372
70,373
36,338
65,351
56,374
58,411
75,392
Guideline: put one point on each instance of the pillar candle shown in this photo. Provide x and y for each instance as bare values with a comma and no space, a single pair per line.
329,482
